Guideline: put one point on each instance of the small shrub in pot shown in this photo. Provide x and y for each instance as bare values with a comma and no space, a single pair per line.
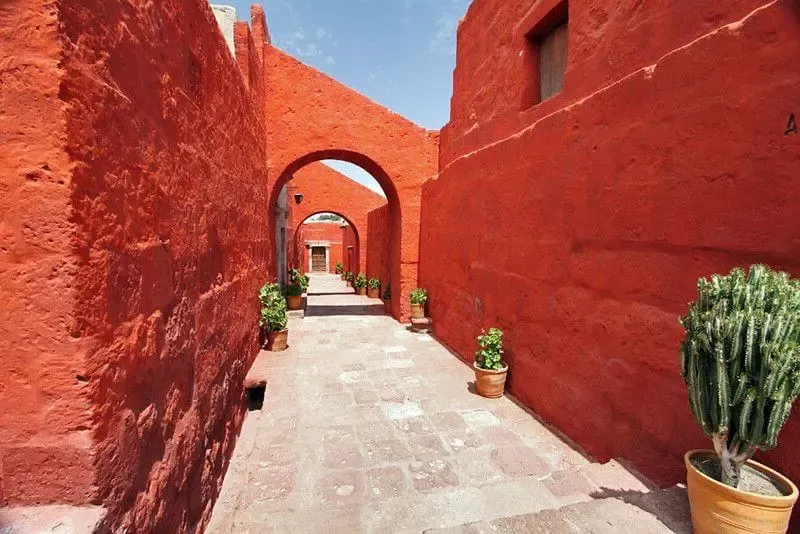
418,299
360,284
490,369
339,268
373,288
273,318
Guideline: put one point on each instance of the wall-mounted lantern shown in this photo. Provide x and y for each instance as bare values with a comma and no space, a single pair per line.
298,198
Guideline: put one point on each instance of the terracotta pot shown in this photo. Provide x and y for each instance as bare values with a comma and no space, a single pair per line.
278,341
720,509
417,311
294,302
490,384
342,277
361,291
349,283
372,292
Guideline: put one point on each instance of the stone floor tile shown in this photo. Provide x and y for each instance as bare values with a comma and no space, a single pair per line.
414,426
427,447
478,419
386,482
337,488
364,395
432,475
459,441
375,431
500,436
386,451
448,421
520,461
476,468
401,410
342,454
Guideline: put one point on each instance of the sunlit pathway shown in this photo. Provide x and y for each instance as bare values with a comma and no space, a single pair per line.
367,427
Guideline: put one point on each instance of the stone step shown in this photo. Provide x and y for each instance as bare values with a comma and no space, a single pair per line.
653,512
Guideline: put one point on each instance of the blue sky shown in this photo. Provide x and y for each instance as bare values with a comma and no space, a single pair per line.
399,53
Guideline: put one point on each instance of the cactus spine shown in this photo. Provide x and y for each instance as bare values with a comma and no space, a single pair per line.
740,360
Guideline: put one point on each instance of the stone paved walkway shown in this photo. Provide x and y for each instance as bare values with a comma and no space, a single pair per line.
367,427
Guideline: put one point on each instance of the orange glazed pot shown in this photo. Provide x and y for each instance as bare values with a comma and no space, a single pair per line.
294,302
417,311
488,383
720,509
361,291
372,292
278,341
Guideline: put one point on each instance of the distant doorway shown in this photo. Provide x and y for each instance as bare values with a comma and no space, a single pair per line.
319,259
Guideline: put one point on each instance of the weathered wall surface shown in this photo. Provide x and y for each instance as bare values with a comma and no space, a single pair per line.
378,228
134,240
45,446
580,226
326,190
304,126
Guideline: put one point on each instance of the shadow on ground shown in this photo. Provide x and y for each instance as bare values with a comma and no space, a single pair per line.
668,506
355,309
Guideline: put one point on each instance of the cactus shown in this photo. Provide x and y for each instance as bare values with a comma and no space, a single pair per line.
740,360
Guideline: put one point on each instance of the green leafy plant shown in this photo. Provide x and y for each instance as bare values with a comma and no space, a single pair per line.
490,350
740,360
293,290
348,276
387,292
360,281
273,307
297,278
419,296
374,283
339,267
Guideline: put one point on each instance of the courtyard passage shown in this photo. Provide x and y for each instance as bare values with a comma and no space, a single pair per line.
367,427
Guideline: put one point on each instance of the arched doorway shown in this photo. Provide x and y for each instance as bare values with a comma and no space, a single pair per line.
401,280
318,246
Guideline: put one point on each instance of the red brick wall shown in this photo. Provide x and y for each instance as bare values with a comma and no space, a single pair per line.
137,244
580,226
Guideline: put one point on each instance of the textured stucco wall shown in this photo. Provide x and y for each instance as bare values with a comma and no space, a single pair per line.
134,246
580,225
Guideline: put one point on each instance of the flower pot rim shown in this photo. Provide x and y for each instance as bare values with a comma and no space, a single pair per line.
277,331
741,495
491,371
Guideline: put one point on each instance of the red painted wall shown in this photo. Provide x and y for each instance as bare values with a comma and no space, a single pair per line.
43,404
135,239
326,190
378,227
580,225
311,117
350,250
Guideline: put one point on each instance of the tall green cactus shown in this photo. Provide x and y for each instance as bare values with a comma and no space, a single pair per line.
740,360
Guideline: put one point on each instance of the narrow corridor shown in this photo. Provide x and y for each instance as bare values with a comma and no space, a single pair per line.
367,427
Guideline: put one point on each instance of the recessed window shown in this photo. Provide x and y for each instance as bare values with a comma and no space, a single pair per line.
552,61
545,55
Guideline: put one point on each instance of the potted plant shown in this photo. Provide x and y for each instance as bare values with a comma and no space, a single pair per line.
340,269
305,281
490,369
348,277
294,296
373,288
360,284
740,359
273,317
387,298
418,299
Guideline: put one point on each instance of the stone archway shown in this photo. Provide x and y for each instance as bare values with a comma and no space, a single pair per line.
344,241
311,117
